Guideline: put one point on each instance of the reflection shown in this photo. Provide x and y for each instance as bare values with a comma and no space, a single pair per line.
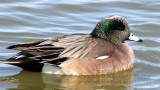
114,81
32,80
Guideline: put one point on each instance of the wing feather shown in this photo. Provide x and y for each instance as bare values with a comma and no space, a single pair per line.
51,51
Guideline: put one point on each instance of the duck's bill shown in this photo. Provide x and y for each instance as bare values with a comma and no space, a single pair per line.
134,38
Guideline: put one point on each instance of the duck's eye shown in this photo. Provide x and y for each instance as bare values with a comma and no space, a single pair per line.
121,28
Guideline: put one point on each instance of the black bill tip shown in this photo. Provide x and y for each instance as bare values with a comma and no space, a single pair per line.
140,40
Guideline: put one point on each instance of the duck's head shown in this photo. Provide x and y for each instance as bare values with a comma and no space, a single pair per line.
114,29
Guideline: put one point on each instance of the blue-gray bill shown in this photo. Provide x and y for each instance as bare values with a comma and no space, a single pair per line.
132,37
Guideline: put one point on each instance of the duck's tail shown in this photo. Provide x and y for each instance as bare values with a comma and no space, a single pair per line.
24,63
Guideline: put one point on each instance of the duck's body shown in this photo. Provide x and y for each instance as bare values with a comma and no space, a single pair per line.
111,58
77,54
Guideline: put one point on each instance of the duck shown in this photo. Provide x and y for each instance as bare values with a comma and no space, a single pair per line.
102,51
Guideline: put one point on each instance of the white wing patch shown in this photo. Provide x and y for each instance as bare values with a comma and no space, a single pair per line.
102,57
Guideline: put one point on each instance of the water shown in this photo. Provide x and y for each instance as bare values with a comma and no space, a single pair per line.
31,20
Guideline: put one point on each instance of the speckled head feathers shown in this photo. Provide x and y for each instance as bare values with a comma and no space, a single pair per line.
114,29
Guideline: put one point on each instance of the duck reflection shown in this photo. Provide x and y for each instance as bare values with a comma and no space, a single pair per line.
32,80
114,81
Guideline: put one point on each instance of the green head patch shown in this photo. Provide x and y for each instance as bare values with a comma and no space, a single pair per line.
111,24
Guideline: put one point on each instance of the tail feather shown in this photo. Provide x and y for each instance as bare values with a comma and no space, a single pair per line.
8,62
24,63
34,63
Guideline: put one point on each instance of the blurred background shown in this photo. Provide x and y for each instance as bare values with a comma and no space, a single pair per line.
31,20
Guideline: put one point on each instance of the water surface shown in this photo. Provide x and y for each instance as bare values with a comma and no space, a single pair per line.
31,20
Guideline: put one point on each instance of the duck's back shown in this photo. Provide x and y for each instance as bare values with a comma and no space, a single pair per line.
60,41
33,55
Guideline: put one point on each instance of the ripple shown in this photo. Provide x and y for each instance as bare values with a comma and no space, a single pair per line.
32,20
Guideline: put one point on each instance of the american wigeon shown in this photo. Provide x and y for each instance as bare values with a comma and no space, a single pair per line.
100,52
